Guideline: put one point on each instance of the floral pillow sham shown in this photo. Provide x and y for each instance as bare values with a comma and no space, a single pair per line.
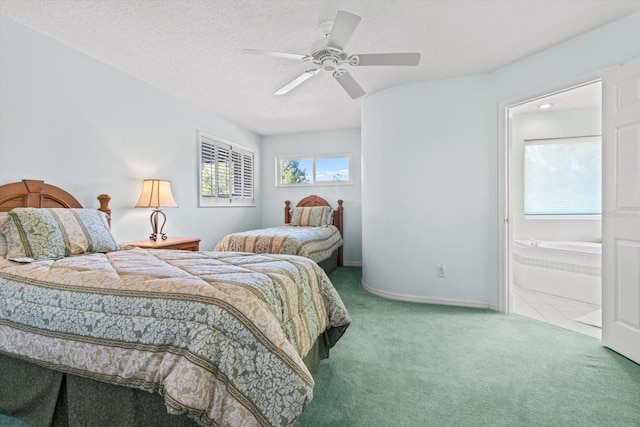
315,216
51,233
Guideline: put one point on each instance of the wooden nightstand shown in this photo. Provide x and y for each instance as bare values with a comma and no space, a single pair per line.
181,243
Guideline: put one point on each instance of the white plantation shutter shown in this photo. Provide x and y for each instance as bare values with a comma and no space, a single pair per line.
222,171
247,173
236,172
207,168
242,175
226,173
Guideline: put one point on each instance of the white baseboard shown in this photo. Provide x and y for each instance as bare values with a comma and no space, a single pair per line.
351,264
428,300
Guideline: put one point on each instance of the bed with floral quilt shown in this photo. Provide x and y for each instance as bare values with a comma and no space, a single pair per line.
217,338
312,229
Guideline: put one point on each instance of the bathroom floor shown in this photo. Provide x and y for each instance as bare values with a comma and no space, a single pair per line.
566,313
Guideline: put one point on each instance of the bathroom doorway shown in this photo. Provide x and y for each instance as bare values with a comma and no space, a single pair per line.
554,214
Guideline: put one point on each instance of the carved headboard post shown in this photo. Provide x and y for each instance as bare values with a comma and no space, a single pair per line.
287,211
104,200
337,221
337,216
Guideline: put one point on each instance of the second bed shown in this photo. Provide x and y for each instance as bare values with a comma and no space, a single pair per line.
312,229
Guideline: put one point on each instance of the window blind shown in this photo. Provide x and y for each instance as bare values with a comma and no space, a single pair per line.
563,176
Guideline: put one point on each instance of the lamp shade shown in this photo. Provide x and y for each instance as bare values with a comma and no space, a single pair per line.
156,194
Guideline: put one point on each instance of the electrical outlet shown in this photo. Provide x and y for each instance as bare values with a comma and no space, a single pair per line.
442,272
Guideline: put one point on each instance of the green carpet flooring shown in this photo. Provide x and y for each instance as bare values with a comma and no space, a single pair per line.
412,364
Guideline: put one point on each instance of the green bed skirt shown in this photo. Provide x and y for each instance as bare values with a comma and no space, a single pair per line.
43,397
331,263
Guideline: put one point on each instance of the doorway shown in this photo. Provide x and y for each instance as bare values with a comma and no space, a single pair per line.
554,192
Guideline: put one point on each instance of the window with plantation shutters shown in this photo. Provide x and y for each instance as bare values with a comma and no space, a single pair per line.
226,173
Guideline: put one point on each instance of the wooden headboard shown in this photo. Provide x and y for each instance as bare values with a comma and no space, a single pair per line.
31,193
311,201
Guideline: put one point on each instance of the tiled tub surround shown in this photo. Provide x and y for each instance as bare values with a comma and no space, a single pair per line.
567,269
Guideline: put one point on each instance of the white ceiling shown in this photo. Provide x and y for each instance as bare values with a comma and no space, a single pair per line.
583,96
191,48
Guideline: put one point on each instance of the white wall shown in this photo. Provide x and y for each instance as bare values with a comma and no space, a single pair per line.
541,125
425,190
449,208
81,125
330,142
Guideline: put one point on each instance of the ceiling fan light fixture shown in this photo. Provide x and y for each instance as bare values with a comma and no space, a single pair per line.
329,64
328,54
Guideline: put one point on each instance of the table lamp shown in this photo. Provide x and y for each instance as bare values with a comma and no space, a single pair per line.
156,194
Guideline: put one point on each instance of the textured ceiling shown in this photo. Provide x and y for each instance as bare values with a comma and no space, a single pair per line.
191,48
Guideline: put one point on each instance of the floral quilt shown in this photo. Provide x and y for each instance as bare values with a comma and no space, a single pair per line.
316,243
220,335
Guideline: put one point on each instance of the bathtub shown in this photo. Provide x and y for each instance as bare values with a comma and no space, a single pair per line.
564,268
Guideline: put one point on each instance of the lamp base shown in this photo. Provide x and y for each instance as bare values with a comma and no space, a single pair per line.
154,225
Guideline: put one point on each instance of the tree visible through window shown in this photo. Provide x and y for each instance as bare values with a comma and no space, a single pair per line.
292,173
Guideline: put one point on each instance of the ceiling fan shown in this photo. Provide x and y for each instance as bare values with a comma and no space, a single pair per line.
328,54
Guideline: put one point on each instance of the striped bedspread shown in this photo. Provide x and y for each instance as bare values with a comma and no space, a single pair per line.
220,335
316,243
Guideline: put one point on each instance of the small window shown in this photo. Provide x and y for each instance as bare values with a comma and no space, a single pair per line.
313,170
563,176
226,173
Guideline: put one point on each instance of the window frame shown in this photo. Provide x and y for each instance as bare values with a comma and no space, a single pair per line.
556,141
234,150
313,157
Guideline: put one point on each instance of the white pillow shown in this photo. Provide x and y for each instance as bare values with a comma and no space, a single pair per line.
3,240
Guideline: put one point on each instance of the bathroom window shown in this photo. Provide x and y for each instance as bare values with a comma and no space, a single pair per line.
306,170
563,176
226,173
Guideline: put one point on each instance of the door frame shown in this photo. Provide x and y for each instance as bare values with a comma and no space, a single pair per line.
505,231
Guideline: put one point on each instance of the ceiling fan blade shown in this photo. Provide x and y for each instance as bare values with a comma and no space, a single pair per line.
408,58
297,81
344,25
349,84
275,54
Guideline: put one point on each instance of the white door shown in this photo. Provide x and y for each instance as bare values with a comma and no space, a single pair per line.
621,210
